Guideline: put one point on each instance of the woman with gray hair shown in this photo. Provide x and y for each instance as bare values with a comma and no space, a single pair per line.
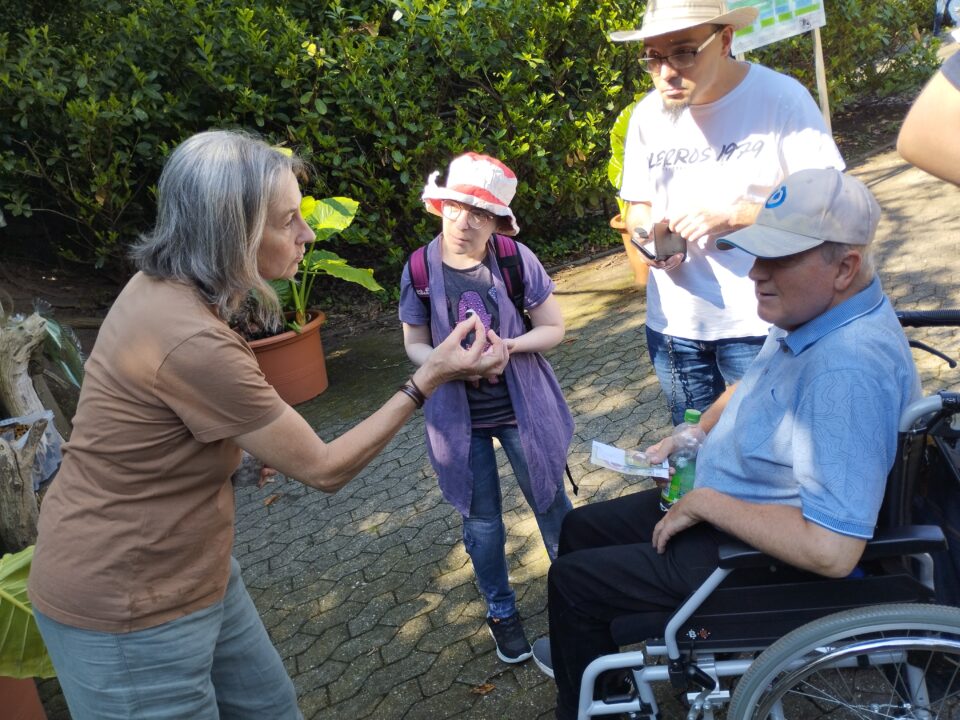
136,593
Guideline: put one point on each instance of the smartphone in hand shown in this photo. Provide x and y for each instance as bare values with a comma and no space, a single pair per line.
660,244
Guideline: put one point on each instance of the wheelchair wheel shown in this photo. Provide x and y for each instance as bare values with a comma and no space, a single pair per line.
886,661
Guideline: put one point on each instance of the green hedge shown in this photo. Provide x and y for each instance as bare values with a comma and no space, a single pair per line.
375,94
870,50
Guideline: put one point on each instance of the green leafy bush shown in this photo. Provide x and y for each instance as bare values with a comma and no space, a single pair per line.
376,94
88,123
871,51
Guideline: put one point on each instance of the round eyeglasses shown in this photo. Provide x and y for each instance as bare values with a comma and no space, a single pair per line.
476,219
678,61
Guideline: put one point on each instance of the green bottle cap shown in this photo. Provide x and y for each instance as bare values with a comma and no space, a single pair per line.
691,416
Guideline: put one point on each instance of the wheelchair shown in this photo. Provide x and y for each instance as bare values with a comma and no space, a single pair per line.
759,639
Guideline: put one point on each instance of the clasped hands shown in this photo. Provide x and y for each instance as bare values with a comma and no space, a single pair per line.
485,357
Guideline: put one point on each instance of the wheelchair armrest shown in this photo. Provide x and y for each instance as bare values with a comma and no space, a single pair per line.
906,540
737,554
889,542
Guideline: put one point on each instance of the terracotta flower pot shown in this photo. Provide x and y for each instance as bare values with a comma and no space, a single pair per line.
19,699
294,362
640,268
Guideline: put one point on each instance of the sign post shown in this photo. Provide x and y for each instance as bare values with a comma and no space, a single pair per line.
779,19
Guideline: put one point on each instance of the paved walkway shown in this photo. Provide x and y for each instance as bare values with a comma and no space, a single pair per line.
369,595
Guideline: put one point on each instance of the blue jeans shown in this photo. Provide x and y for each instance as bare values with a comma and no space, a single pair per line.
484,535
214,663
944,10
693,373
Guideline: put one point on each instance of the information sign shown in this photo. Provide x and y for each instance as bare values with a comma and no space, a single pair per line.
777,19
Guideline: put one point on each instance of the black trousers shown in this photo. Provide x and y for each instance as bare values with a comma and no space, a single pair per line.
608,567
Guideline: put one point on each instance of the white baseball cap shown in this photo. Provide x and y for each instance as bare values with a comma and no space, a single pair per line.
809,208
666,16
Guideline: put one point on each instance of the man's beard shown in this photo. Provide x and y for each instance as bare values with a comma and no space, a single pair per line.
673,109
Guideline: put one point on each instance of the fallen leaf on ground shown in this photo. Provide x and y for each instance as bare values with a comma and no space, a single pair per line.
483,689
272,499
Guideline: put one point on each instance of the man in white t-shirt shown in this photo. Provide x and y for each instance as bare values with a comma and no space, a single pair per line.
703,151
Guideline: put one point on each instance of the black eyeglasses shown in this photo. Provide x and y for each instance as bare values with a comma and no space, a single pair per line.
476,219
678,61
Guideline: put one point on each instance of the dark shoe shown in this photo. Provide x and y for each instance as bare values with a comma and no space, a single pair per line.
512,645
541,656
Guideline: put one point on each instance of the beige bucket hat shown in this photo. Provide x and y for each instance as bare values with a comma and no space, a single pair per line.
666,16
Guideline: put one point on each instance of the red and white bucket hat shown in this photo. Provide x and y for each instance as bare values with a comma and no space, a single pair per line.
477,180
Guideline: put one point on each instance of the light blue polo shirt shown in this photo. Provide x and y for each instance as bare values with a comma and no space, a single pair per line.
813,422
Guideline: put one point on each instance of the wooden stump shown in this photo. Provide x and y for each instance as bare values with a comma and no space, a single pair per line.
18,341
18,502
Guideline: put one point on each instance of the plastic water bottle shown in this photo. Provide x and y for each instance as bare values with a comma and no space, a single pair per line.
687,439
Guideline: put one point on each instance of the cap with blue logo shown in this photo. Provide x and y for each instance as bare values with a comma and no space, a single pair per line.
809,208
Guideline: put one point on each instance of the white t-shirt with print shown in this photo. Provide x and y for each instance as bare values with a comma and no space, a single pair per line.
739,147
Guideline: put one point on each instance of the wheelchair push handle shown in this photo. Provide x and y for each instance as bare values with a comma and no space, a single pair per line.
929,318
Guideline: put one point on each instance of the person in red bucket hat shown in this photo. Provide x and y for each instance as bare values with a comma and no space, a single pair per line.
474,268
479,181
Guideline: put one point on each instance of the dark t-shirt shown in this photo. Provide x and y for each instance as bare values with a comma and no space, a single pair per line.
471,292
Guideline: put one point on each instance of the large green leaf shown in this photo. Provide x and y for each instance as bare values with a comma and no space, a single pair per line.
618,138
328,263
283,290
63,349
328,216
22,652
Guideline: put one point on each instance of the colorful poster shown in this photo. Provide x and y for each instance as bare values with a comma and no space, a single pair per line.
778,19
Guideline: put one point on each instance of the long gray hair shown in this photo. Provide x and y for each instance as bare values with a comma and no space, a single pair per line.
212,202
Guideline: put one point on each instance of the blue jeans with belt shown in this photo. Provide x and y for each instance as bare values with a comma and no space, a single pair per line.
693,373
214,663
484,534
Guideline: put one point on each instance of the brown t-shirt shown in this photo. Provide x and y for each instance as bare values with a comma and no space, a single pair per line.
137,527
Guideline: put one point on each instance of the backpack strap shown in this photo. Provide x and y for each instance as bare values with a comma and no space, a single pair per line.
508,260
420,275
511,268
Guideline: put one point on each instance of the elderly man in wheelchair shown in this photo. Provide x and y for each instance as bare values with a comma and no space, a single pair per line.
795,466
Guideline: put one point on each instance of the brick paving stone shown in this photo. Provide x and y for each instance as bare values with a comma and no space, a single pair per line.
407,637
399,701
319,676
324,647
362,665
451,704
446,669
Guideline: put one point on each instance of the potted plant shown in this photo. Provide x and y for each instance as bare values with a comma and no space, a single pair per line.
618,138
291,356
23,655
